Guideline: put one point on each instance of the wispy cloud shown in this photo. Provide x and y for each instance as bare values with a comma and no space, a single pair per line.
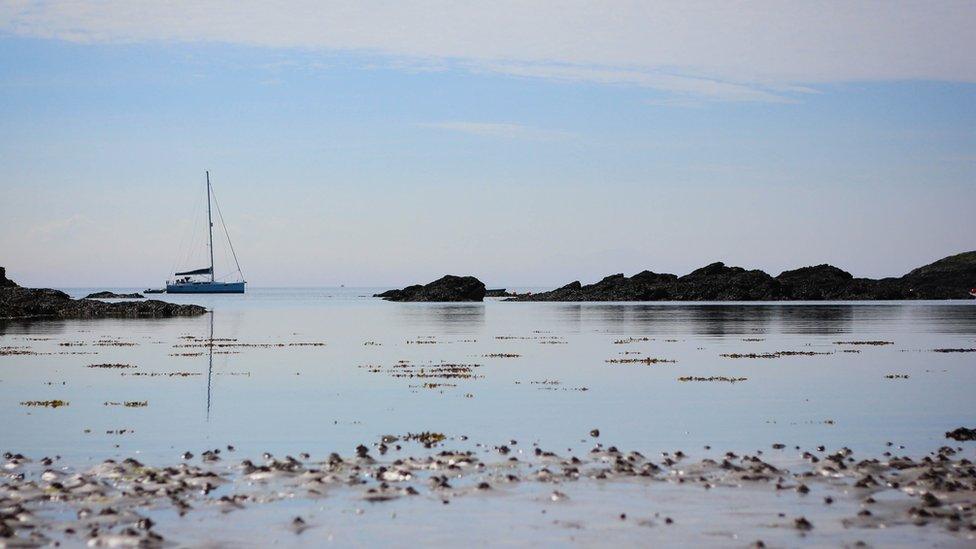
501,130
706,49
689,85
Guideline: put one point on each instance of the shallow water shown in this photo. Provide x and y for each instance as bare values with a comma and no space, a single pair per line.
319,399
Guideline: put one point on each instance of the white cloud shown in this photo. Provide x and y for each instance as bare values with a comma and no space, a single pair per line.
764,50
501,129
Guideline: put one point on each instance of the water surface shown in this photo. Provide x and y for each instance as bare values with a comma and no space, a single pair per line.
326,369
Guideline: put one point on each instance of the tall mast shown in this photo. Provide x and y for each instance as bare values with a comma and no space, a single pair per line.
210,227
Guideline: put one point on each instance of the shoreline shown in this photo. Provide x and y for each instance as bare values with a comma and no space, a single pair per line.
816,489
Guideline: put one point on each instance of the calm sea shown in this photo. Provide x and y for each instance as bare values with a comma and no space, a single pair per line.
268,386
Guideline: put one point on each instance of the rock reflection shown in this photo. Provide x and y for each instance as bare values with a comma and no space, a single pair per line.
746,319
451,318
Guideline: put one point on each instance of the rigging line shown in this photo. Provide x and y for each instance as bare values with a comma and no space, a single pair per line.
226,257
225,260
226,233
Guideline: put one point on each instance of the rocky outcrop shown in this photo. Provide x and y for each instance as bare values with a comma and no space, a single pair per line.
949,278
718,282
43,303
447,288
644,286
113,295
816,283
4,281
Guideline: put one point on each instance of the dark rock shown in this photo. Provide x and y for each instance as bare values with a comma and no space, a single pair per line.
815,283
45,303
948,278
803,524
643,286
113,295
447,288
718,282
962,434
4,281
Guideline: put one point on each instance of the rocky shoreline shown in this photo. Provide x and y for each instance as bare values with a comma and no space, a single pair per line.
17,303
114,503
949,278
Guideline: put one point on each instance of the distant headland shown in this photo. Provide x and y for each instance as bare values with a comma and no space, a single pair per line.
952,277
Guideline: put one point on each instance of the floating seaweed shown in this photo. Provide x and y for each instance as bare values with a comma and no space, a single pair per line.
232,343
875,343
113,343
647,360
163,374
12,351
713,378
538,337
629,340
443,370
116,366
45,403
427,438
777,354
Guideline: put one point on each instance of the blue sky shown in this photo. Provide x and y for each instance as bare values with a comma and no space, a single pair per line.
361,154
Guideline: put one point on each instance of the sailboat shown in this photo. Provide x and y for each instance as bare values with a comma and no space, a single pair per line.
203,281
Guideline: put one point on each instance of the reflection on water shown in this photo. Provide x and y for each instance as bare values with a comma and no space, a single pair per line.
446,317
210,349
748,318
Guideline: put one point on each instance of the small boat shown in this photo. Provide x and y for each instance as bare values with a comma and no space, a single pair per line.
203,281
